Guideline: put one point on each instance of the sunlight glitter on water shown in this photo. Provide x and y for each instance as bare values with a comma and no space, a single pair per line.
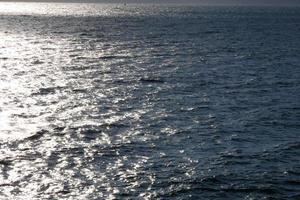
58,9
16,110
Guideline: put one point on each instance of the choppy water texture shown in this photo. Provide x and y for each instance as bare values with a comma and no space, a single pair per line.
149,102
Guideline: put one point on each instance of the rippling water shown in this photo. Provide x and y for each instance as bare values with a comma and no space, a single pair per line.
149,102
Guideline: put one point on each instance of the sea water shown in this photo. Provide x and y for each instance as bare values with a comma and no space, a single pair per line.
149,102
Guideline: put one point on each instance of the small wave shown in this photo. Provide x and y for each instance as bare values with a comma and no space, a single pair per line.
150,80
37,135
5,162
48,90
211,32
111,57
79,90
37,62
264,190
292,146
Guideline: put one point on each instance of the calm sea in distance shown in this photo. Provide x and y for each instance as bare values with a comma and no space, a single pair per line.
113,101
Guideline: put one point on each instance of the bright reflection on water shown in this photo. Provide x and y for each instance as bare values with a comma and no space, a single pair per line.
148,102
47,9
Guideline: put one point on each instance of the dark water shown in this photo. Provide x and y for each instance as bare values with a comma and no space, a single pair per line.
149,102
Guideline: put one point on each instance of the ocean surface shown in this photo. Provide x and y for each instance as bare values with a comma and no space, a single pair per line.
149,102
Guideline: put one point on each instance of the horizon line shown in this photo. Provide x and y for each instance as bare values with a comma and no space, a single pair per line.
130,2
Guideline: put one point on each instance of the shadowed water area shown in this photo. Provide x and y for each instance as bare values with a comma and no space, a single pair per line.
149,102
